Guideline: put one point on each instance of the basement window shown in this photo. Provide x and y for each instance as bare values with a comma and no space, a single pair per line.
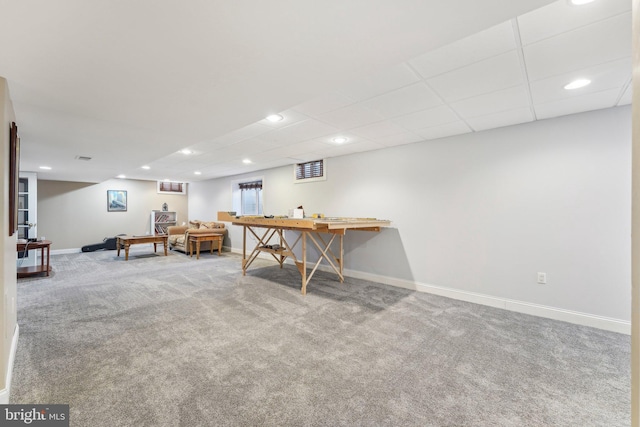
251,197
309,171
170,187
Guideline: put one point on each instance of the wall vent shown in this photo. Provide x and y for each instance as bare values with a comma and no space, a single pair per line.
85,158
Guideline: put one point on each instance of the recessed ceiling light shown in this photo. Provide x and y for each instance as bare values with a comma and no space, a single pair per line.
579,2
166,180
246,161
186,151
275,118
340,139
146,167
577,84
47,168
121,176
197,173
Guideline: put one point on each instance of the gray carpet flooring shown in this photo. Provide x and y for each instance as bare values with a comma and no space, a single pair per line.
171,341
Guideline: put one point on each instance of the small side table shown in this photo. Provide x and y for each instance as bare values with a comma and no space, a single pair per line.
44,267
205,237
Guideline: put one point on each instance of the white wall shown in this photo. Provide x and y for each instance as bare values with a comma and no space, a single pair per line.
477,216
74,214
8,275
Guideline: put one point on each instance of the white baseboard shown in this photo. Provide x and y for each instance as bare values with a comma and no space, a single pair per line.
578,318
66,251
5,393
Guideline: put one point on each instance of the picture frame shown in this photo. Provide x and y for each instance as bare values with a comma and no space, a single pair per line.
14,171
116,201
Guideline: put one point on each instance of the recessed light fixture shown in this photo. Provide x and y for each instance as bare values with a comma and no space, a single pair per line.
121,176
340,139
579,2
274,118
145,167
186,151
166,180
577,84
47,168
246,161
197,173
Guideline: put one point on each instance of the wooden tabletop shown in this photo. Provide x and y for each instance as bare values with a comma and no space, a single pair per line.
34,245
149,238
316,224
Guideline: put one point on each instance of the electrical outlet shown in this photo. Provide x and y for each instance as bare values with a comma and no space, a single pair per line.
542,278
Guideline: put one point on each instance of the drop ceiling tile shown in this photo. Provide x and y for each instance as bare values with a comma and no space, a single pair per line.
323,104
363,145
277,163
289,117
378,130
504,118
298,149
232,137
351,138
221,155
356,147
491,42
403,101
577,104
267,157
604,41
493,102
443,131
399,139
370,86
298,132
614,74
350,117
496,73
561,16
427,118
251,146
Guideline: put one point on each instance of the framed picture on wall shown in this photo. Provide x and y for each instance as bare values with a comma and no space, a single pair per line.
116,201
14,166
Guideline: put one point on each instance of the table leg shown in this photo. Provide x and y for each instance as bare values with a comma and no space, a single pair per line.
126,251
211,245
191,247
219,245
166,243
197,249
155,247
303,272
118,243
48,260
341,260
244,250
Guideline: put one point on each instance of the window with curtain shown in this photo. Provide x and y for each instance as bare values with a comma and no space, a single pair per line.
251,197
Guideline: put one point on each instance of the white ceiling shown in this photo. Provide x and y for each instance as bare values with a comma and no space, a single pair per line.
132,83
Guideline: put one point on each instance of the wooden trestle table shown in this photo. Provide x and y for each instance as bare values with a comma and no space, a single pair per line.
271,239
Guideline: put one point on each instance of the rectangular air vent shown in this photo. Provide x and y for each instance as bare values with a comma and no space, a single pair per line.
85,158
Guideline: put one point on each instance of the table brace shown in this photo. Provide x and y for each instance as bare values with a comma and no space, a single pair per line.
286,250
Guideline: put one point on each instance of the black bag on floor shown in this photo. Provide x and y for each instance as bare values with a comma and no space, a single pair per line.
109,243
